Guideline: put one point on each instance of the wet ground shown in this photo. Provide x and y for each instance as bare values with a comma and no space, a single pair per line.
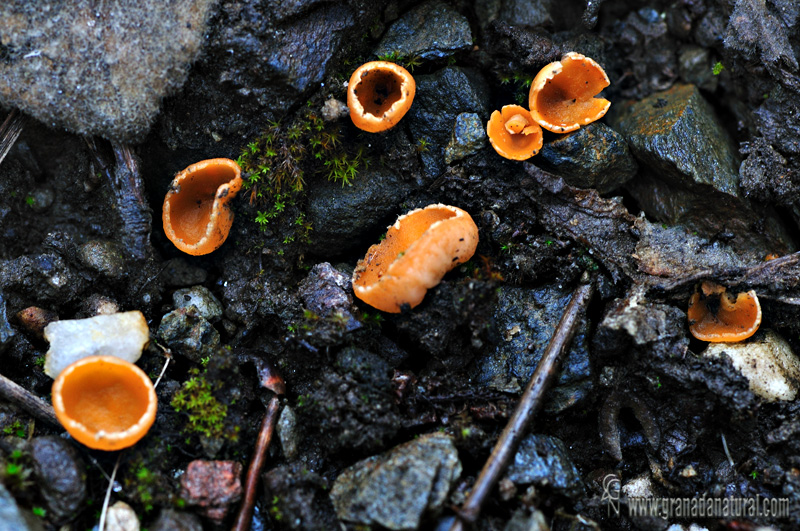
387,419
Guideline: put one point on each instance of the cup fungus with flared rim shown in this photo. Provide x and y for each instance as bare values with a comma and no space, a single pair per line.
419,249
197,214
513,133
717,316
562,95
379,94
104,402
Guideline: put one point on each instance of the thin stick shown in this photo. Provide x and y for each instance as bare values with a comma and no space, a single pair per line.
167,358
727,453
9,132
27,401
529,403
103,514
256,465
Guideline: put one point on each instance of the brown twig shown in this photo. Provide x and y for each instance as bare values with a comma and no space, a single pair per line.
9,132
529,403
270,379
256,465
27,401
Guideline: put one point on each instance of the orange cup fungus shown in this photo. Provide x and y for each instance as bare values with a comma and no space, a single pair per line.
562,94
104,402
379,94
719,317
513,133
197,213
418,250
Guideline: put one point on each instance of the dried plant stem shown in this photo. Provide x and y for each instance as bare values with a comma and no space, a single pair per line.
9,132
256,465
104,512
27,401
529,403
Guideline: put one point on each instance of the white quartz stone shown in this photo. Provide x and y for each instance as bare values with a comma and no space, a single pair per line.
121,517
123,335
768,363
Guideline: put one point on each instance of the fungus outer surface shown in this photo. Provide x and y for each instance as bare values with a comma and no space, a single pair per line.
379,94
562,95
419,249
104,402
513,133
197,215
717,316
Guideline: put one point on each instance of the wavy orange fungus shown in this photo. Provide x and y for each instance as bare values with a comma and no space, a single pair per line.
419,249
513,133
197,215
562,95
717,316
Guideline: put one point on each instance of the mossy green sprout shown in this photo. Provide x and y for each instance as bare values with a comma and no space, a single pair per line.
717,68
409,62
520,83
206,414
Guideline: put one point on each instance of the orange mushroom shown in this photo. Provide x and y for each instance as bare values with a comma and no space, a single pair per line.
513,133
379,94
104,402
562,94
197,213
717,316
418,250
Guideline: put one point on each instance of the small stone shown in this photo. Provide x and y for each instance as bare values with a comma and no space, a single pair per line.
432,30
42,199
288,434
398,488
34,319
528,318
96,304
213,486
208,306
179,272
639,487
327,292
695,66
123,335
594,156
189,333
6,332
469,136
334,109
121,517
171,520
768,363
544,461
104,257
61,475
12,518
523,521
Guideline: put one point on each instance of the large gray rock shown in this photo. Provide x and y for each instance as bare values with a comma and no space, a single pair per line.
97,69
432,30
6,332
525,321
397,488
676,134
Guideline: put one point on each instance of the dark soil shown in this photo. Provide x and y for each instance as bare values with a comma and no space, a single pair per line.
652,213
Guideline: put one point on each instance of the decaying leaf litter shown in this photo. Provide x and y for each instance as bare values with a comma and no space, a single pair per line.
691,177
